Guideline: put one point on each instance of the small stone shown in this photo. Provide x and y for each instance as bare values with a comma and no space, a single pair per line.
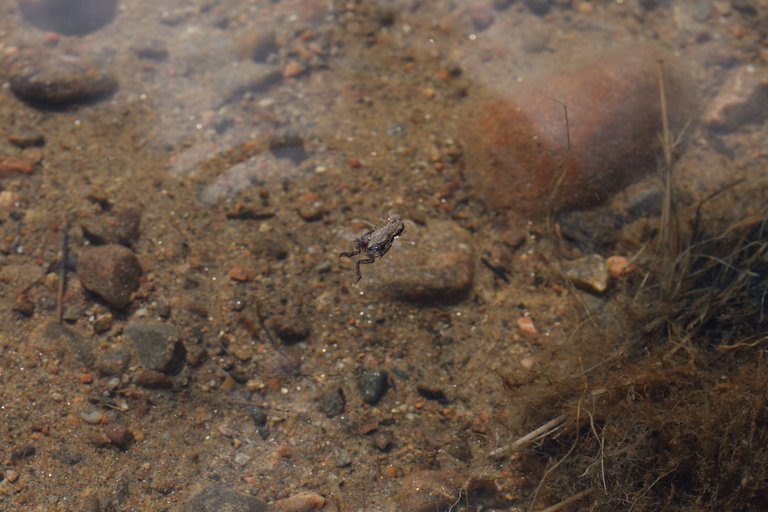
70,17
742,100
333,402
585,8
217,498
27,138
91,417
373,386
257,45
121,228
527,327
12,165
589,272
481,16
538,7
302,502
151,49
151,379
383,440
292,69
289,327
429,263
119,436
90,503
39,76
67,456
11,475
618,266
158,345
112,362
112,272
102,323
431,491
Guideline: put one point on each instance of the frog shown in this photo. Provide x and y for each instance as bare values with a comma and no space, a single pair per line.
376,242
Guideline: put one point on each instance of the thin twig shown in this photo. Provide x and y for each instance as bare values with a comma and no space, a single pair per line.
542,431
62,272
568,501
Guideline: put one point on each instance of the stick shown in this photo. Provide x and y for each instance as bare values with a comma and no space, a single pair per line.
567,501
62,272
542,431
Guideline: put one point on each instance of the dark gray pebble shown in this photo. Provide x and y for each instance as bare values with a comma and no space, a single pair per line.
383,440
373,386
59,80
68,456
112,272
332,402
217,498
151,49
70,17
158,345
538,7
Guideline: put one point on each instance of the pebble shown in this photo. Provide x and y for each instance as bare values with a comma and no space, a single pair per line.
27,138
527,327
257,44
69,17
217,498
111,271
373,386
290,327
518,142
589,272
59,80
13,165
120,436
742,100
158,345
430,491
151,379
112,362
11,475
91,417
481,16
429,263
383,440
538,7
306,501
122,227
618,266
151,49
332,402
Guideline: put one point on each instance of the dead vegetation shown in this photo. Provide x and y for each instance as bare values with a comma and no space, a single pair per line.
668,409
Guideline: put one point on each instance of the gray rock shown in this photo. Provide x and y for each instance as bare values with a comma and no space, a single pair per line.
742,100
112,272
60,80
217,498
332,402
424,264
70,17
373,386
589,272
158,345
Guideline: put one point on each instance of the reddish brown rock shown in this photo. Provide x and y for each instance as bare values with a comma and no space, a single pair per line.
518,144
111,271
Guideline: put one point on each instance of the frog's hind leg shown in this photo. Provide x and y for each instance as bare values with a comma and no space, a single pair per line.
368,261
349,254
